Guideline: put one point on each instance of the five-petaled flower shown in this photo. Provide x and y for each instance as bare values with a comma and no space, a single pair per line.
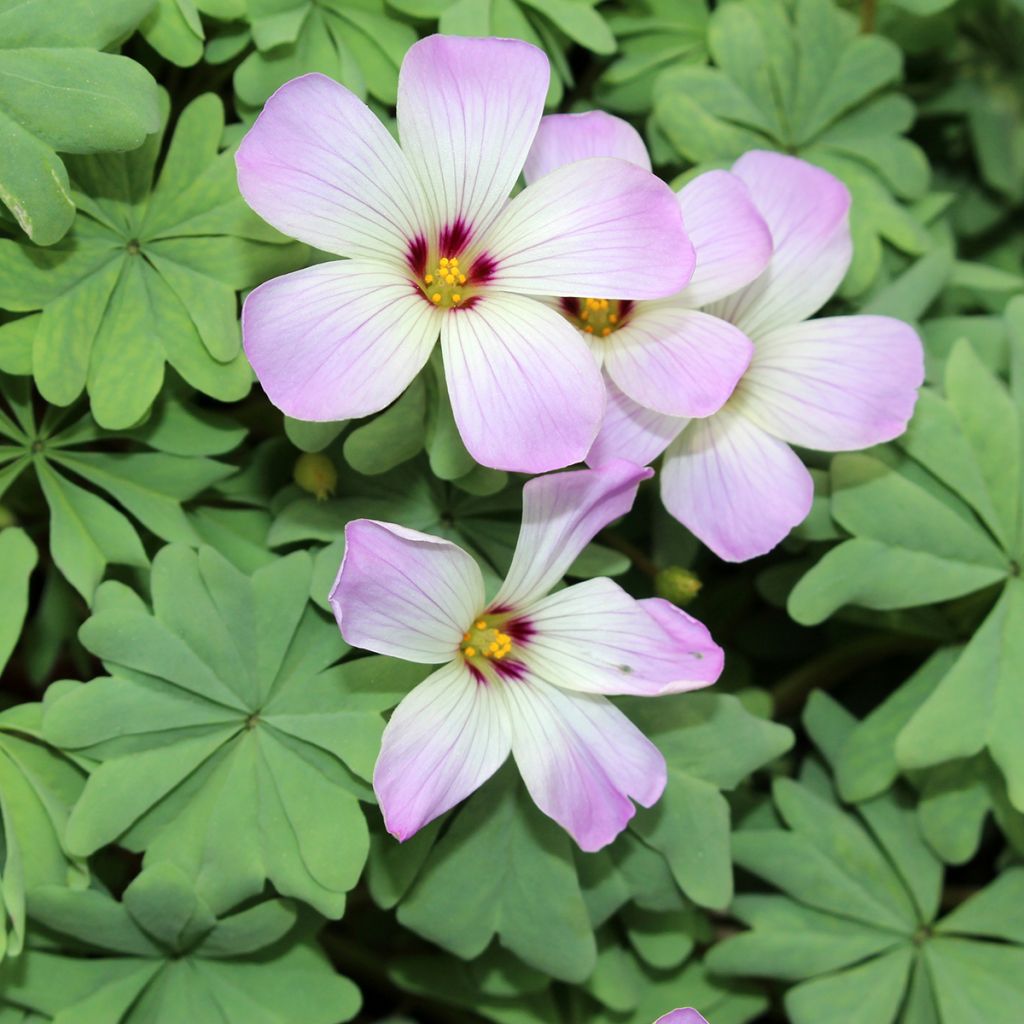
437,247
686,1015
831,384
528,672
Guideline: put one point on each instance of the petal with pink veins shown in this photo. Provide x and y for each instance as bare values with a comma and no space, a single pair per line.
444,741
731,239
593,637
565,138
562,512
405,593
686,1015
631,431
835,384
599,227
680,362
738,488
807,212
337,340
468,110
583,761
526,392
319,166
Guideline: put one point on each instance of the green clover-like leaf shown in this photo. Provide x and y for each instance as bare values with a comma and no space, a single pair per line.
37,789
58,94
800,78
148,276
65,450
163,955
353,41
856,927
228,741
946,522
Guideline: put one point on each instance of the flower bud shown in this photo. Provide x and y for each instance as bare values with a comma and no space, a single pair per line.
678,585
314,472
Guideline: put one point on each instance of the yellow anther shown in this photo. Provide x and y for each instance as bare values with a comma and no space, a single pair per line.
436,297
481,624
605,331
584,314
454,261
429,278
449,279
470,652
589,329
613,318
444,261
462,278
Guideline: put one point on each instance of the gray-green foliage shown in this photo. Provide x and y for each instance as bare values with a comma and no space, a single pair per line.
60,94
188,831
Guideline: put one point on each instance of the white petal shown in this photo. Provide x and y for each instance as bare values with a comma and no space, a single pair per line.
338,340
405,593
731,239
565,138
807,212
468,110
835,384
320,166
631,431
601,227
595,638
737,488
679,362
525,390
445,740
582,760
561,514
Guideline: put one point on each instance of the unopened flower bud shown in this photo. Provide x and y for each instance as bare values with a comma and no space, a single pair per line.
678,585
314,472
7,517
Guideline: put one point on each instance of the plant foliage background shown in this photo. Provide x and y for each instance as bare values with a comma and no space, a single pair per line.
187,829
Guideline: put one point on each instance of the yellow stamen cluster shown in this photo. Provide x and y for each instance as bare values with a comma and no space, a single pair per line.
485,641
598,316
443,285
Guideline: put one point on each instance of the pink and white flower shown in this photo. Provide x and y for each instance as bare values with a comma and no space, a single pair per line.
528,672
832,384
667,355
686,1015
436,247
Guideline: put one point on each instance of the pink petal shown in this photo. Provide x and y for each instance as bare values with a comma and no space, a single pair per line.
737,488
683,1016
598,227
731,239
405,593
807,210
565,138
582,760
836,384
468,110
593,637
679,362
526,392
445,740
631,431
337,340
562,512
320,166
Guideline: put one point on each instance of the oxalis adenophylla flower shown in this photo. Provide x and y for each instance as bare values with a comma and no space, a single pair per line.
527,672
436,247
687,1015
666,355
831,384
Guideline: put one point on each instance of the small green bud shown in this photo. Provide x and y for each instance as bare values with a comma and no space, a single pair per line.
680,586
7,517
315,473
